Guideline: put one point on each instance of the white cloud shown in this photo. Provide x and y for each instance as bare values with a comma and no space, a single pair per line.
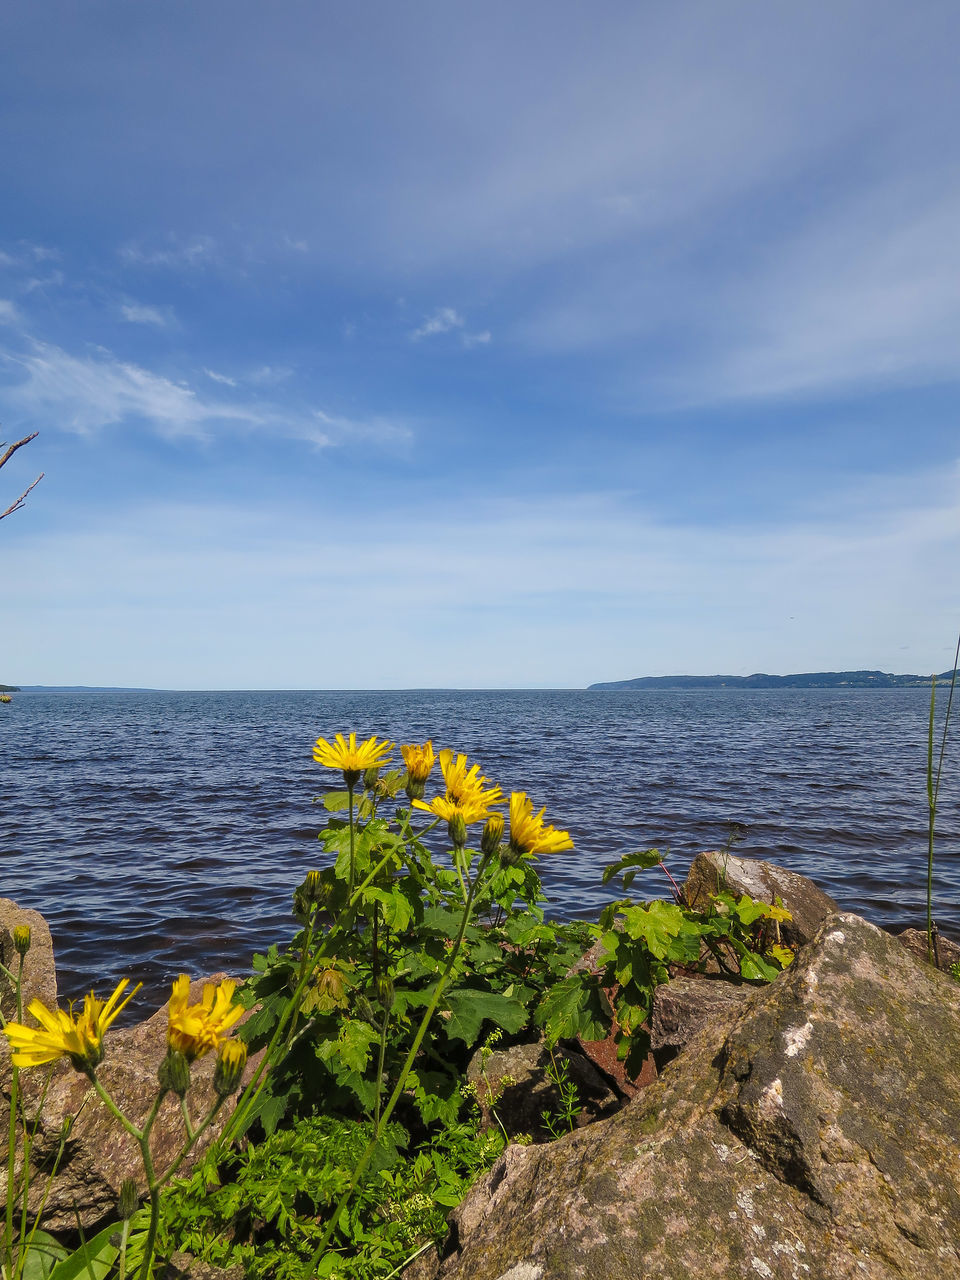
442,321
138,313
220,377
199,251
480,339
8,312
569,590
86,393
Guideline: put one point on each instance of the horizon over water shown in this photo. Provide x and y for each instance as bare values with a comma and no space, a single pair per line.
161,831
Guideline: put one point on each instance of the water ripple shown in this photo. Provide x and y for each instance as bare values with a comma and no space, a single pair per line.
160,832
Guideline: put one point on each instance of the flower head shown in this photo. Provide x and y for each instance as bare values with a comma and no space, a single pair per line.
463,783
78,1037
419,760
352,759
195,1029
529,833
231,1060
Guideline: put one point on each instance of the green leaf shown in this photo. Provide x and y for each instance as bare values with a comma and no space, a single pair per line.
44,1252
439,920
93,1259
337,801
642,861
396,907
574,1007
469,1009
657,924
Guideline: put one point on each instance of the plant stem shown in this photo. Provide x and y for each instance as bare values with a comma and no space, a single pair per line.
350,882
404,1072
12,1137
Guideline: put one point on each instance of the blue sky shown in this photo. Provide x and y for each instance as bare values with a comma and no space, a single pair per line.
478,344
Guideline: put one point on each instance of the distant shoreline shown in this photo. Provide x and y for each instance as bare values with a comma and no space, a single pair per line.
802,680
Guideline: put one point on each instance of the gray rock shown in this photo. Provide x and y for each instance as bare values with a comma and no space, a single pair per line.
764,882
915,940
685,1005
816,1139
39,969
515,1085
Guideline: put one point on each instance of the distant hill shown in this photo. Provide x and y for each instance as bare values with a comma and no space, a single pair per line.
806,680
9,688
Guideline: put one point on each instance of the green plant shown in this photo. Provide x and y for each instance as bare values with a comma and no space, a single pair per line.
641,940
267,1205
563,1118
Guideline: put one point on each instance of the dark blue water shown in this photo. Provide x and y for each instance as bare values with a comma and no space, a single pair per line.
161,832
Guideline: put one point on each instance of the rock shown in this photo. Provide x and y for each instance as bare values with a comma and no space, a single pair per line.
184,1266
764,882
915,940
816,1138
523,1095
39,969
99,1154
684,1005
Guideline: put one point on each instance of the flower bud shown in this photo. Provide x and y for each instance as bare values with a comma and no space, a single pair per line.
457,829
174,1073
231,1060
492,835
371,777
385,992
414,788
129,1199
21,939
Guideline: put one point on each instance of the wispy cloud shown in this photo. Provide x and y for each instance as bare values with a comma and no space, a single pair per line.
198,251
86,393
442,321
449,320
220,377
8,312
139,313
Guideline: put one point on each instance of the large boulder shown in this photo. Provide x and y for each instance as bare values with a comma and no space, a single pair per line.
815,1138
764,882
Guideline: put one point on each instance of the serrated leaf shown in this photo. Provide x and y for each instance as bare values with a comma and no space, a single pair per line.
396,908
658,924
469,1009
573,1007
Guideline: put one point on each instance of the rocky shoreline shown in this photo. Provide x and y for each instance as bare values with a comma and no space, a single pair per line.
806,1130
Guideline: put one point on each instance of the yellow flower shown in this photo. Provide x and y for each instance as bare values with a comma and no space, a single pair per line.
473,808
419,760
349,757
78,1037
529,833
195,1029
462,783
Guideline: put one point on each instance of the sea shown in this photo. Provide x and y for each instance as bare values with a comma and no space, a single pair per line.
164,832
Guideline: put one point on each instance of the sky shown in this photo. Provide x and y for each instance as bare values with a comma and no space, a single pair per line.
477,345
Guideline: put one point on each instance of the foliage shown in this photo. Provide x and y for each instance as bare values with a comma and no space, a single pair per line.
266,1205
641,940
